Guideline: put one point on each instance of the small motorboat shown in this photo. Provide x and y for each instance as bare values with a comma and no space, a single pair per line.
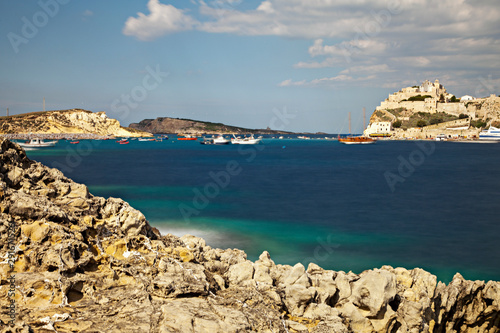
187,138
37,143
74,142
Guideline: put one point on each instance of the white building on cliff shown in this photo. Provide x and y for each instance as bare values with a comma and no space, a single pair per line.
380,129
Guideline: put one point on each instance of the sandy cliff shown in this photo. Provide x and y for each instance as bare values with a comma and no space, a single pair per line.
74,262
66,121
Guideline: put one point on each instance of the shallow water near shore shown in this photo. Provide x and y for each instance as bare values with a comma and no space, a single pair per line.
311,200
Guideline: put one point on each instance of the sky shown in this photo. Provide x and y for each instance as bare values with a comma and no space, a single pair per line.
295,65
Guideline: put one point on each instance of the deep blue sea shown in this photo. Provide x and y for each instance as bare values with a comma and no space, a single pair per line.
434,205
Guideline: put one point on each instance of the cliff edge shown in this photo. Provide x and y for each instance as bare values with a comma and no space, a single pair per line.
74,262
75,121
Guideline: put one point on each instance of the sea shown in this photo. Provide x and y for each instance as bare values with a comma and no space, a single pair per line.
426,204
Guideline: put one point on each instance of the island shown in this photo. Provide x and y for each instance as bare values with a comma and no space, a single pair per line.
167,125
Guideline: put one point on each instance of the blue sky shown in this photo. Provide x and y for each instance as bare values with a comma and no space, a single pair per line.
242,62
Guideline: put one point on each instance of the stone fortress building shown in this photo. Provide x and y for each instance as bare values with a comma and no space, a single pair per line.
438,101
432,98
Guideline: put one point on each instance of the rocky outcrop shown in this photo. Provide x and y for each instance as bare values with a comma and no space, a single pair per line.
75,121
163,125
81,263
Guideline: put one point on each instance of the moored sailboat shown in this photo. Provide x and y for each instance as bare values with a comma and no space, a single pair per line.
355,140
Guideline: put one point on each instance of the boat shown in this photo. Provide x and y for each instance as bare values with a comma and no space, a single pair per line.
37,143
74,142
206,141
249,140
356,140
146,139
221,140
491,133
441,137
187,137
215,140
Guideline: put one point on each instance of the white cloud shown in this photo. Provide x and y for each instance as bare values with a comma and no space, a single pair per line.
368,41
162,19
326,81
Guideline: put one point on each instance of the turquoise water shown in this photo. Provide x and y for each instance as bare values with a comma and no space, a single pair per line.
311,200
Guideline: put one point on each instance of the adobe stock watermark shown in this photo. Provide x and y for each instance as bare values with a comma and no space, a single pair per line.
370,29
75,154
222,179
123,105
221,7
486,86
31,26
407,166
11,252
323,251
139,93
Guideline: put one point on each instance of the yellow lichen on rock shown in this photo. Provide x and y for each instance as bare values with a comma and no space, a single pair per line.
36,231
117,249
185,254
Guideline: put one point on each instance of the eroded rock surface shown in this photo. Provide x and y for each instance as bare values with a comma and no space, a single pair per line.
89,264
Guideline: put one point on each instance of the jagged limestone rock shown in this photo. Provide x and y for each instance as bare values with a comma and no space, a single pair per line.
89,264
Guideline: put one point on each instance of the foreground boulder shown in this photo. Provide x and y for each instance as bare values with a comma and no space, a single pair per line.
80,263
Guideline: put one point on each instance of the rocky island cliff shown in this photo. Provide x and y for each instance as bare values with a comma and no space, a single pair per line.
163,125
75,121
428,109
74,262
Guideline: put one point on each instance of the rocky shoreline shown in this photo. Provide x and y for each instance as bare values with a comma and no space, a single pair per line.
74,262
65,123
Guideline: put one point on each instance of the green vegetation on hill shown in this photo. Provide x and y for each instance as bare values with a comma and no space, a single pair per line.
210,126
382,116
417,98
419,119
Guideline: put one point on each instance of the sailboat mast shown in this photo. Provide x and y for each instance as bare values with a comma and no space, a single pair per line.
349,122
364,118
44,104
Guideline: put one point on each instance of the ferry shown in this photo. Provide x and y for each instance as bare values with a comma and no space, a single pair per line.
491,133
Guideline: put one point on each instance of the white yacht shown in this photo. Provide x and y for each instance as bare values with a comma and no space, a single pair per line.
220,140
250,140
491,133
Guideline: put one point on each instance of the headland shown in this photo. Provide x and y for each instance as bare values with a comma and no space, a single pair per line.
74,123
162,125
